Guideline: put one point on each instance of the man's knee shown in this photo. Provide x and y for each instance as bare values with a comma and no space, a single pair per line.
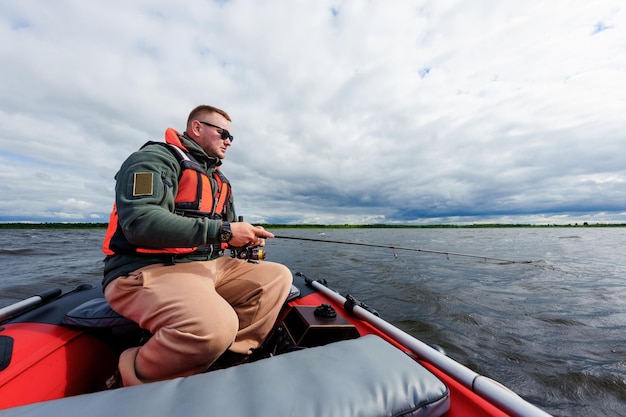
285,277
280,273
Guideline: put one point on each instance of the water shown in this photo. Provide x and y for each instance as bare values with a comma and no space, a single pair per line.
553,329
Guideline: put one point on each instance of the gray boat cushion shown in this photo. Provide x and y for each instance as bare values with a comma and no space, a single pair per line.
360,377
98,314
95,313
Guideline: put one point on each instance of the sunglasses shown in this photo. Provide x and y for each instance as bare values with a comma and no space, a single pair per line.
225,133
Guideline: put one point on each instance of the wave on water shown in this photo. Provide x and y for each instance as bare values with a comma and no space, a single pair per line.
585,387
17,251
560,321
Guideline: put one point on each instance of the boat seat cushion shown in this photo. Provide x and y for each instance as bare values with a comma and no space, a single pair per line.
95,314
98,314
359,377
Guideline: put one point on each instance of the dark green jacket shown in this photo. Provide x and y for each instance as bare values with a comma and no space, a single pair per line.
149,220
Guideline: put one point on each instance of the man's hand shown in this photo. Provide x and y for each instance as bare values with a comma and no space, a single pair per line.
245,234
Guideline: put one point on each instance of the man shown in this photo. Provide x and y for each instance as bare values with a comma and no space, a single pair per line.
173,216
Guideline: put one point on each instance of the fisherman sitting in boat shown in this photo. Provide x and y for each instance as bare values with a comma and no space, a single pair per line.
172,219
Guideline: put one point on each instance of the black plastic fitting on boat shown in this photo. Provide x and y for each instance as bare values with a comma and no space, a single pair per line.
51,294
309,281
325,311
352,302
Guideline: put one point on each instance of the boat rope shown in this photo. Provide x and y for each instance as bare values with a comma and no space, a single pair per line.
395,248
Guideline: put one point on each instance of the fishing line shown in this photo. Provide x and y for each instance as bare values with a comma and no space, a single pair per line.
396,248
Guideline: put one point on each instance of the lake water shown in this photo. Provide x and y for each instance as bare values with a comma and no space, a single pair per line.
551,326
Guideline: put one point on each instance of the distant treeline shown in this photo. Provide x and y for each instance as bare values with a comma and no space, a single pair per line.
320,226
433,226
53,226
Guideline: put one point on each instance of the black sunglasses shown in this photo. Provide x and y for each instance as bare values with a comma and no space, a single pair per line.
225,133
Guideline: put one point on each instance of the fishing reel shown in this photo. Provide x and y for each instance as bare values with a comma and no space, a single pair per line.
250,253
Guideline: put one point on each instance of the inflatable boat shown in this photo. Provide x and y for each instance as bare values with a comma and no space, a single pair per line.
328,355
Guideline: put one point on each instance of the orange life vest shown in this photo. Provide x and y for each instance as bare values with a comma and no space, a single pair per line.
196,197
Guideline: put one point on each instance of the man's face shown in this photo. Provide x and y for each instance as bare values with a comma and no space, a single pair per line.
210,137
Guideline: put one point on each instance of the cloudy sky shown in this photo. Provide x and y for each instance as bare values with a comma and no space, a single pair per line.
343,111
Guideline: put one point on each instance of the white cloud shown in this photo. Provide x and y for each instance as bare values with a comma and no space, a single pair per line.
343,111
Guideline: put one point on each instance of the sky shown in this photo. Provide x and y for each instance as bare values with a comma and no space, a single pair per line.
344,112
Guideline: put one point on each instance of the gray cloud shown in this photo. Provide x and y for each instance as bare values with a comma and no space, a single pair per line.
343,112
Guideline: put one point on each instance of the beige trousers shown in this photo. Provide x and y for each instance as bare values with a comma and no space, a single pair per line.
196,311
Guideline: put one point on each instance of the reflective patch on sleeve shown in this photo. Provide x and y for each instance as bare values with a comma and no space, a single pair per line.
143,184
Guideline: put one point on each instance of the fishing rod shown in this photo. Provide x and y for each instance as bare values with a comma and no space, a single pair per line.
395,248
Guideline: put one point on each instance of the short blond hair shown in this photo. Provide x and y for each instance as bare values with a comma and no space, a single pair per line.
203,109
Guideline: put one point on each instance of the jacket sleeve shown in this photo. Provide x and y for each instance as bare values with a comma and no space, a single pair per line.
146,185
